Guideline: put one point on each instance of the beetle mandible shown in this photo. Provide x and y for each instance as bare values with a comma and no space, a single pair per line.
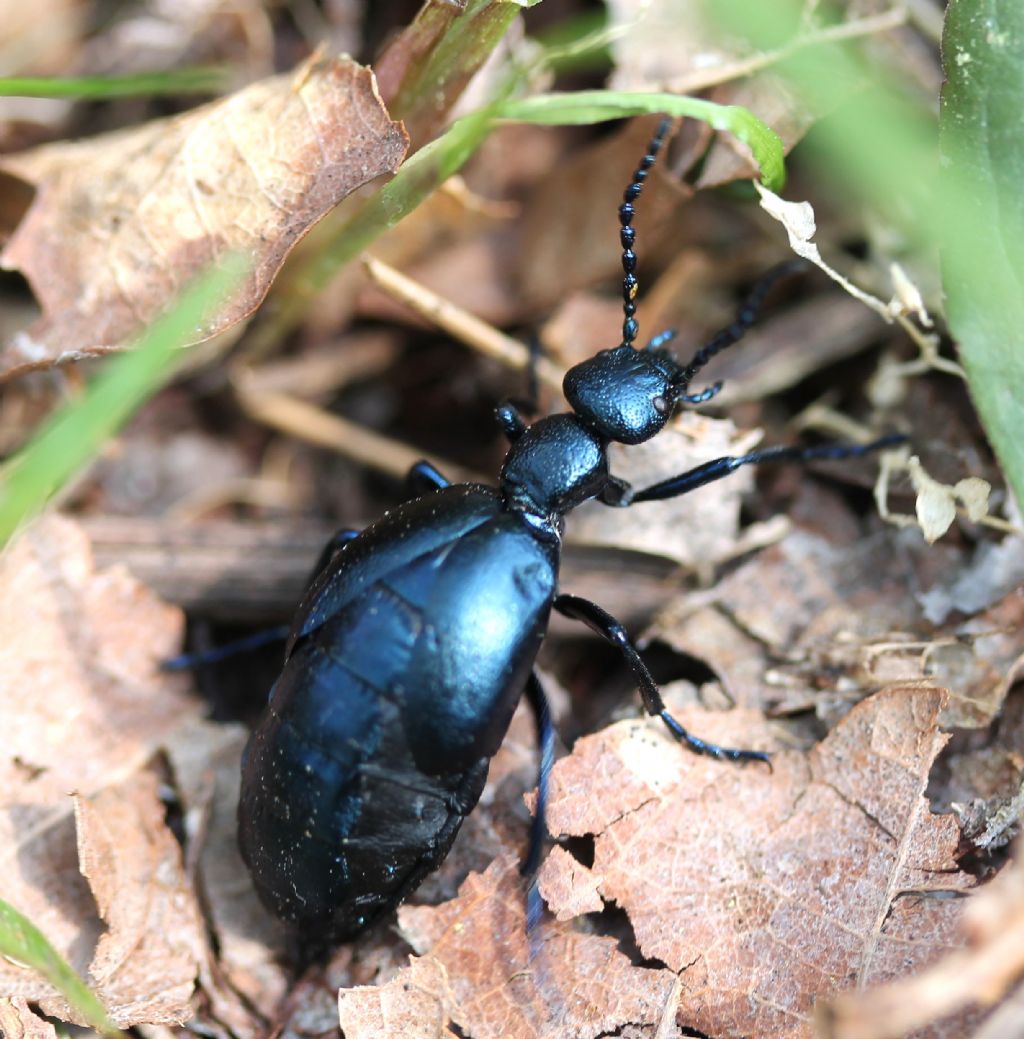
415,641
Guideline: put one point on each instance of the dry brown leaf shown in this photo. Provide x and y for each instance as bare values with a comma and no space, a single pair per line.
84,709
566,883
768,891
574,984
80,670
979,974
569,227
122,222
146,962
249,977
843,620
18,1021
416,1002
692,531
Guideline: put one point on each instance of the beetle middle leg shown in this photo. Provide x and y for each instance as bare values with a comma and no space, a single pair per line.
265,637
605,625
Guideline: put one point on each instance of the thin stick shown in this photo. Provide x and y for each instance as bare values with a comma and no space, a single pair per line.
316,426
459,323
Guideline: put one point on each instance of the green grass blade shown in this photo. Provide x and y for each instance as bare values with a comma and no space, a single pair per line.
595,106
149,84
22,941
428,168
70,439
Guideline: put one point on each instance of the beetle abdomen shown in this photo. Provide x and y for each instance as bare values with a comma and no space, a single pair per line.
336,822
372,752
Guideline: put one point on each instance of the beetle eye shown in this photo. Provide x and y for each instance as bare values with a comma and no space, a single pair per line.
661,405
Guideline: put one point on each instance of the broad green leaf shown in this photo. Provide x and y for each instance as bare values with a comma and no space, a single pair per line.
982,182
22,941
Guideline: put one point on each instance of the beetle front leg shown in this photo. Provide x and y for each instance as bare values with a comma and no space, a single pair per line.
423,478
605,625
718,468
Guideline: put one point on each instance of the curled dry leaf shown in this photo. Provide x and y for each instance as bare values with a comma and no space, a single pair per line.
84,709
121,223
573,984
764,890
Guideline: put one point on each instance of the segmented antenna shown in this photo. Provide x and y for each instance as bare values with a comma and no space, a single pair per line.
627,234
744,319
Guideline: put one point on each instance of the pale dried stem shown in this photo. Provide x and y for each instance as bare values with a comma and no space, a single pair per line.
316,426
459,323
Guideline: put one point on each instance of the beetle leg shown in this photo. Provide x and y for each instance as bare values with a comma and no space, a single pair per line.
746,317
510,412
186,661
512,423
538,829
423,478
717,468
659,341
605,625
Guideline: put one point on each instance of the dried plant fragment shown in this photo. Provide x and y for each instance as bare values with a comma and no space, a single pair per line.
767,891
506,987
19,1021
978,974
84,709
146,962
417,1001
121,223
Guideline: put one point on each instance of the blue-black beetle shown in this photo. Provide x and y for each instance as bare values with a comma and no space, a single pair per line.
414,643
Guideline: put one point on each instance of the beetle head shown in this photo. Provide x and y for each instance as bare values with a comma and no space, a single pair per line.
624,394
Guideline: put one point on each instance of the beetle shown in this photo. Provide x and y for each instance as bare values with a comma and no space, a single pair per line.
418,636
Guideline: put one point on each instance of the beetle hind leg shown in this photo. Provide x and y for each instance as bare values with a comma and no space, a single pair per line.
538,829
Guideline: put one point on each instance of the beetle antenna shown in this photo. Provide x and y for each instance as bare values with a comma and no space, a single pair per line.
627,233
744,319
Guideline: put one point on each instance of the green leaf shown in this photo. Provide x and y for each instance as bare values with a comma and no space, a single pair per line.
22,941
982,174
596,106
73,436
